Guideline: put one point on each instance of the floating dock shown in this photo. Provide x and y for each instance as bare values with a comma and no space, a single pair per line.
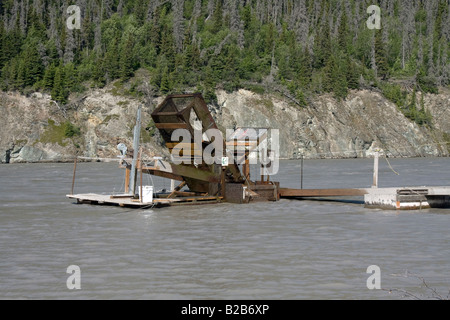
405,198
128,201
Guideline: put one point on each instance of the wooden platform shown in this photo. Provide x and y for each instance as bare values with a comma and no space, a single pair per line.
127,201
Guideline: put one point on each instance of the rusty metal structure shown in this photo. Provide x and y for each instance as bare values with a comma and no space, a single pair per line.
190,112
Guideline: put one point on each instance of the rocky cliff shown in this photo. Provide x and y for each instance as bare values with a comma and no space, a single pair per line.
36,129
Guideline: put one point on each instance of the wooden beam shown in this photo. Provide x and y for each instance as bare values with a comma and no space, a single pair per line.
242,144
300,193
127,179
182,184
165,114
121,196
162,174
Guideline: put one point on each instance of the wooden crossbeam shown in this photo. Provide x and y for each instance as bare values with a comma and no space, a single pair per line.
181,185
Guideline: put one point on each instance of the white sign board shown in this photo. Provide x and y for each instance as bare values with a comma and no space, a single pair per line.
224,161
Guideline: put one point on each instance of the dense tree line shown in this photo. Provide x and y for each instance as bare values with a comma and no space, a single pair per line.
301,47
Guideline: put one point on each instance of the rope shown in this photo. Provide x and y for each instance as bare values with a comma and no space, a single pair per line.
391,166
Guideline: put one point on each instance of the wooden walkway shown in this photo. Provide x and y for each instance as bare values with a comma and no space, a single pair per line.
311,193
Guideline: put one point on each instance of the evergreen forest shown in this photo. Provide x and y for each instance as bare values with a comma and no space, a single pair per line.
297,47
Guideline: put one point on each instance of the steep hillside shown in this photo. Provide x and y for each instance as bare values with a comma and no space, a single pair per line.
35,128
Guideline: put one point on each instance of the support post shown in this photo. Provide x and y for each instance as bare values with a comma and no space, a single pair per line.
262,173
222,183
375,170
127,179
246,166
136,137
74,171
301,174
140,174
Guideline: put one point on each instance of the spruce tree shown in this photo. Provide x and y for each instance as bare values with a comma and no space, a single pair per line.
49,76
2,43
98,72
59,92
112,61
33,64
352,74
166,84
322,47
381,59
218,17
21,76
305,71
126,60
70,77
330,74
344,32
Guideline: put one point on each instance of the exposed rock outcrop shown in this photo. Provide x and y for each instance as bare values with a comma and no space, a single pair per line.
35,128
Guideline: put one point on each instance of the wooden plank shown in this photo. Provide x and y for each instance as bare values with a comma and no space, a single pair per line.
242,144
121,196
165,114
293,193
182,184
172,125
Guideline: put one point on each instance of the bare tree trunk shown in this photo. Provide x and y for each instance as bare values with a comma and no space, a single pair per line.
178,26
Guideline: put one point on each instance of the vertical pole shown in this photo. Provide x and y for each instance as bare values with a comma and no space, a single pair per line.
140,174
222,183
127,179
262,173
246,166
301,174
375,170
74,171
172,185
136,137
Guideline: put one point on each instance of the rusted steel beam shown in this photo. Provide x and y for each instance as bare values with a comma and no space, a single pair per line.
299,193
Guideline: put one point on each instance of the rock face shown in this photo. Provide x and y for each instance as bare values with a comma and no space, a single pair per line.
35,128
327,128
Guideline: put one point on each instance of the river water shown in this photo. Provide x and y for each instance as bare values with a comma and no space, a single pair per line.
285,250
